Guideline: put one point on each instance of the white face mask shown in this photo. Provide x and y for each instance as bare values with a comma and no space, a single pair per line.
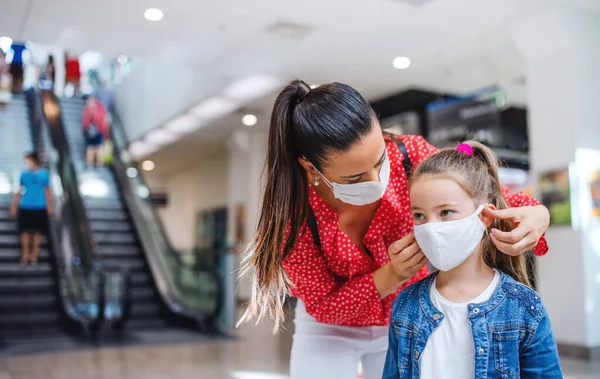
448,244
362,193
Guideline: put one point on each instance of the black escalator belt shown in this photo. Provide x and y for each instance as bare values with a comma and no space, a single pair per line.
111,225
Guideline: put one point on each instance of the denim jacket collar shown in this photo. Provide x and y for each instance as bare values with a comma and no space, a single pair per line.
475,310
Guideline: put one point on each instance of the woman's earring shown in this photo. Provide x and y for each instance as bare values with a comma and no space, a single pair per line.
316,181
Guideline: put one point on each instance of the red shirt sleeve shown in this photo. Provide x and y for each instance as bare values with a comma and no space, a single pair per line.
352,302
522,200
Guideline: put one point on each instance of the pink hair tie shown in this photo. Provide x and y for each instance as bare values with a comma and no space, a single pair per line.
465,149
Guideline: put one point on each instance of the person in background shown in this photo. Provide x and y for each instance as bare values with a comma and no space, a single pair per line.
73,72
105,96
477,317
5,82
16,66
95,129
48,74
32,205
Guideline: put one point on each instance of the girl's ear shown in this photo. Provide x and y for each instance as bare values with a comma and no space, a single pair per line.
487,220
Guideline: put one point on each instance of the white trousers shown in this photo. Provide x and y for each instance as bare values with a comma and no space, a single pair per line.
322,351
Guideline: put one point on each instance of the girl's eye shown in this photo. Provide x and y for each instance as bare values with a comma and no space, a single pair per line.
447,212
418,216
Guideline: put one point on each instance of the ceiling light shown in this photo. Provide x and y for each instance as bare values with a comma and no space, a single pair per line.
252,87
153,14
132,172
183,124
5,43
401,63
249,120
140,149
160,137
148,165
214,108
122,59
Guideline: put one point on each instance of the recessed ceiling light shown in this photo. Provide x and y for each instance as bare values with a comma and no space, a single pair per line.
249,120
252,87
401,63
148,165
153,14
214,108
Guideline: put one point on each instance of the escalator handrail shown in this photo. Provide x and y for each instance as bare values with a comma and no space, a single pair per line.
155,242
41,133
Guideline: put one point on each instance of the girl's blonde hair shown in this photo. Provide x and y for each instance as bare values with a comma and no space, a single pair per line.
477,175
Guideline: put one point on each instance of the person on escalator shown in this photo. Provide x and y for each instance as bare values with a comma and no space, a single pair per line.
32,205
5,82
95,129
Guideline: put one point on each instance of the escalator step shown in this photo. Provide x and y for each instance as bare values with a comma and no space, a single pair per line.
114,238
145,324
96,203
144,310
16,270
108,215
35,302
26,320
110,226
11,255
116,251
8,227
142,294
132,265
141,279
20,285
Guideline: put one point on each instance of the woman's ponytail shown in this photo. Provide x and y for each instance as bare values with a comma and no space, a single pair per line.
284,208
515,266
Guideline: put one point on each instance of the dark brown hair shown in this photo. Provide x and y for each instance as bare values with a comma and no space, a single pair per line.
304,123
478,177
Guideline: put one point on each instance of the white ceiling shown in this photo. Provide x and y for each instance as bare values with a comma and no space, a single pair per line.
455,45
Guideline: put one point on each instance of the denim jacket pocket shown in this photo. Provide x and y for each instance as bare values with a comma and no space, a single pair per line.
506,352
405,334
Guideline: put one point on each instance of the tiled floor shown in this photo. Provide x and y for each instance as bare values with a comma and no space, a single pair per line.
256,354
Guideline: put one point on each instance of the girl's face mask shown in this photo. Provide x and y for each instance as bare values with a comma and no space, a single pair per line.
448,244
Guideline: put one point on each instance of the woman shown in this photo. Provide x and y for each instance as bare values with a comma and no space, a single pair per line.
330,166
95,130
32,204
48,74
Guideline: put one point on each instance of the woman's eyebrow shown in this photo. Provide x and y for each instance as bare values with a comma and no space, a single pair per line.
362,173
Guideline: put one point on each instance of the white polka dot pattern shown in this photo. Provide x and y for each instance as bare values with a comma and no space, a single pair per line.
336,282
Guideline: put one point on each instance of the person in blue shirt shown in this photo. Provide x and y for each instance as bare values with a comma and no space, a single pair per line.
32,205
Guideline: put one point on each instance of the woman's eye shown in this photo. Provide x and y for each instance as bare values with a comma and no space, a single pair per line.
447,212
355,181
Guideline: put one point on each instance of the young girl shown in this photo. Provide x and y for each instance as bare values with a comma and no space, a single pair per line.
477,316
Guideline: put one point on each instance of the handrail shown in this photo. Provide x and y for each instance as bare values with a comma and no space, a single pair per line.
162,258
77,281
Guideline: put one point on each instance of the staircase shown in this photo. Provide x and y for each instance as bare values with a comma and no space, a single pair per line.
29,303
111,223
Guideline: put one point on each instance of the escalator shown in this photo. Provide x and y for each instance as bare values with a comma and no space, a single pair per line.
29,304
110,224
166,290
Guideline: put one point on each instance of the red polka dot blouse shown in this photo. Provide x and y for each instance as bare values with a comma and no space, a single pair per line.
335,281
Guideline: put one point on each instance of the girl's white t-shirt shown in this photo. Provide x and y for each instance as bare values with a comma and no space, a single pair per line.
450,352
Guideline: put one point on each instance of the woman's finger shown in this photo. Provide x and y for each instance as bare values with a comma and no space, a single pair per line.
515,235
502,214
510,248
409,252
416,258
401,244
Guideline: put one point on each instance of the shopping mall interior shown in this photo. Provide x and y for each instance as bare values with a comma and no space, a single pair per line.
137,270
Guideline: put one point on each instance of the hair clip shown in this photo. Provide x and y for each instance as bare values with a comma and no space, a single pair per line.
465,149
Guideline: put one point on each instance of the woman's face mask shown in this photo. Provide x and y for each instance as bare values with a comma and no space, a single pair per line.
362,193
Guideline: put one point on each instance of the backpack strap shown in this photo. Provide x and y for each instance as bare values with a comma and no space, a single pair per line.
406,161
311,220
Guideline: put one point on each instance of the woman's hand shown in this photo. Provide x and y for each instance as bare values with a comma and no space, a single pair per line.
406,257
532,223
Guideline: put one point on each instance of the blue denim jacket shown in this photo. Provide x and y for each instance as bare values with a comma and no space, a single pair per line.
511,333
